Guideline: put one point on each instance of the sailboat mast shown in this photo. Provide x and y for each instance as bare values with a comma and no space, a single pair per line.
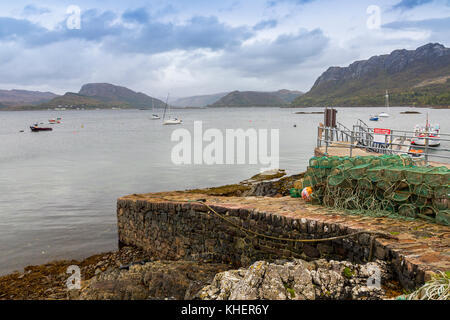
387,99
164,115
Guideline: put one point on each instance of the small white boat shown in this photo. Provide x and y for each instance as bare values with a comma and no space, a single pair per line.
428,132
385,114
172,121
154,115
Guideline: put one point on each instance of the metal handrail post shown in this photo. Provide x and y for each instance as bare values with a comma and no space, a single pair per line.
352,139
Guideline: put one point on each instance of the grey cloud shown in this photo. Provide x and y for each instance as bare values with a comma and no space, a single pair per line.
269,57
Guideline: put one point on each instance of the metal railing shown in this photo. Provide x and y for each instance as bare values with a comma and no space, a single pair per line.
362,137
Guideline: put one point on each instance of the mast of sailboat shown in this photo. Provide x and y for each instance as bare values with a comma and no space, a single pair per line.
153,107
387,100
165,108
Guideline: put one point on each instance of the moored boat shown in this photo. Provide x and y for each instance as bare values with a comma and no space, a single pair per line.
36,128
172,121
427,134
385,114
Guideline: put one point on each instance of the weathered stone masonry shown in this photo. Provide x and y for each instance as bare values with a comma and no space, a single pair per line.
170,230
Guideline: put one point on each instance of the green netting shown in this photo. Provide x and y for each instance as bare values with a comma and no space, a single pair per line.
394,174
441,204
428,211
415,175
419,201
376,173
437,177
384,185
388,185
365,184
408,210
400,196
321,172
359,171
443,217
336,180
423,190
441,192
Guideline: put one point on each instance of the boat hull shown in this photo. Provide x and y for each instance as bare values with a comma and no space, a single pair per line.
422,142
36,129
172,122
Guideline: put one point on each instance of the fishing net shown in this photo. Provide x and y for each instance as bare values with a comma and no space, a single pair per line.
388,185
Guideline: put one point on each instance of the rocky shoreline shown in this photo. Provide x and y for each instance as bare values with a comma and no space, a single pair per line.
131,273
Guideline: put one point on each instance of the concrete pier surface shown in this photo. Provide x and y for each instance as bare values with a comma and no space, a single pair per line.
173,225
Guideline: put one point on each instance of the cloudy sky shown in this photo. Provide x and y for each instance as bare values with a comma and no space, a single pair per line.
203,46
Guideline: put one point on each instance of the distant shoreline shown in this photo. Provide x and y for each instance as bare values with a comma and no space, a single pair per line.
222,107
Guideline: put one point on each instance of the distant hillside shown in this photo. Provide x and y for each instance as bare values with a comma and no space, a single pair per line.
413,77
21,97
287,95
96,95
119,95
255,99
198,101
73,100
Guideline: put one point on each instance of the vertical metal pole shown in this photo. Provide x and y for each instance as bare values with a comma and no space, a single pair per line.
352,139
326,141
392,140
318,137
426,149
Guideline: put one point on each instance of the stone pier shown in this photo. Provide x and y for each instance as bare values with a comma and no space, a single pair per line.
172,226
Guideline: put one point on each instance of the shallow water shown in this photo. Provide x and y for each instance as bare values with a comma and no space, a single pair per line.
58,189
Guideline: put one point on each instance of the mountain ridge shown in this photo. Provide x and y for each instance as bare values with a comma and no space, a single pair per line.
17,97
96,95
256,98
363,82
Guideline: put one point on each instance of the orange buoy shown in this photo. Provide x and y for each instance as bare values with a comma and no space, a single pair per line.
416,152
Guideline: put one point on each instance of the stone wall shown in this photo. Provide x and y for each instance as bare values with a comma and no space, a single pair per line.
173,231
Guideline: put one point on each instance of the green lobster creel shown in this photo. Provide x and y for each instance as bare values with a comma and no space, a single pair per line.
441,204
441,192
400,196
443,217
336,180
375,174
314,162
365,184
407,161
423,190
378,186
361,160
359,172
394,174
384,185
408,210
388,205
437,177
428,210
415,175
419,201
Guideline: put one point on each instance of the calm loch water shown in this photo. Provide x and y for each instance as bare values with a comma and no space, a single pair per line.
58,189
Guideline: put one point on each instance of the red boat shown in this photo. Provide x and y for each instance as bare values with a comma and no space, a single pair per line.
36,128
